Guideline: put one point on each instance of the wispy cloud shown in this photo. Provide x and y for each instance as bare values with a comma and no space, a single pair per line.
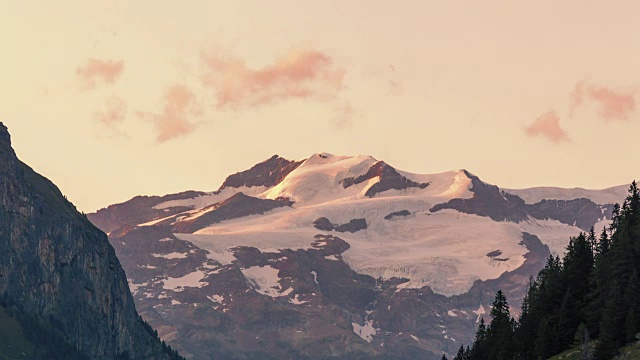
114,112
548,125
344,114
297,74
396,88
176,119
96,71
613,105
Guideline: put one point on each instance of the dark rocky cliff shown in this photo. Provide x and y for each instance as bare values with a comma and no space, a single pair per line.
56,266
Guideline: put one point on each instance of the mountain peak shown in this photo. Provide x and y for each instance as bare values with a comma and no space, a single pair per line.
4,134
267,173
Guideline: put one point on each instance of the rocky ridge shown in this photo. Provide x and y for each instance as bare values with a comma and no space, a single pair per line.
57,267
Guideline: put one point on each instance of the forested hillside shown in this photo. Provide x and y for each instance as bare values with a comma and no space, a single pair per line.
590,296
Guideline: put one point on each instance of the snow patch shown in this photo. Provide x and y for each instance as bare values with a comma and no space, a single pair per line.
173,255
366,331
265,280
218,299
133,287
480,311
297,301
193,279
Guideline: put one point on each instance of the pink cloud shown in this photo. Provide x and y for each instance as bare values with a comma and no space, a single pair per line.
613,105
576,97
548,125
180,106
298,74
114,112
95,71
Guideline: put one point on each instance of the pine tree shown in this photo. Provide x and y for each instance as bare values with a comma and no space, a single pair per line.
600,282
615,218
603,242
544,340
525,333
633,200
577,266
582,340
568,321
632,292
479,348
500,331
631,325
593,242
611,331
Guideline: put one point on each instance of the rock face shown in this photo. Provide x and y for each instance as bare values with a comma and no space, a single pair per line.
499,205
58,267
238,205
137,210
339,257
267,173
397,214
389,179
352,226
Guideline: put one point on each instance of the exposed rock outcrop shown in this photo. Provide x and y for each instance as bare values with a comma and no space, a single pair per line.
389,179
352,226
138,210
489,200
397,214
236,206
59,268
267,173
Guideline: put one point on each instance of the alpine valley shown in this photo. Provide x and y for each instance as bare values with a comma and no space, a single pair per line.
339,257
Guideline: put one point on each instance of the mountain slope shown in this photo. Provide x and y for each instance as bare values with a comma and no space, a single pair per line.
57,267
370,261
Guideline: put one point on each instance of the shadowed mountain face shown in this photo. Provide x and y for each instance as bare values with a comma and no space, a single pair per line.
57,267
338,257
268,173
137,210
388,177
489,200
236,206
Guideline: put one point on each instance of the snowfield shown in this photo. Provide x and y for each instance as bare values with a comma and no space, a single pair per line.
445,250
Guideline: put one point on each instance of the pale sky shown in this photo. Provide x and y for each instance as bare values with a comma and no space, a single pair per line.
115,99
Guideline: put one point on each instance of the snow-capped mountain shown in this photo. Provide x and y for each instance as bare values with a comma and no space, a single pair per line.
338,256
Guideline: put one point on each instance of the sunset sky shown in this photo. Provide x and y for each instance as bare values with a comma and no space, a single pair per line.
115,99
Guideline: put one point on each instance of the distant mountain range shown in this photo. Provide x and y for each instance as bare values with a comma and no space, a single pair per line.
338,256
